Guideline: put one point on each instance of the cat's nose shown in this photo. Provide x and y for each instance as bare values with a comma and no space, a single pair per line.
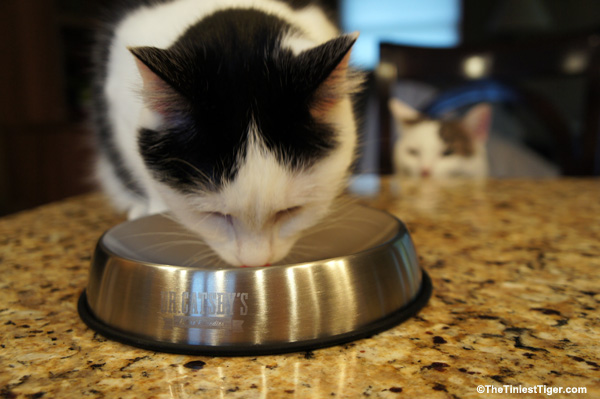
265,265
254,255
425,172
260,251
254,263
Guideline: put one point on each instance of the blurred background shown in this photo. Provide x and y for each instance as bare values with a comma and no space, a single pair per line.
536,61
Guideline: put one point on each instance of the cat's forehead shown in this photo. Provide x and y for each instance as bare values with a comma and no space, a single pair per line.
423,130
247,160
262,185
449,133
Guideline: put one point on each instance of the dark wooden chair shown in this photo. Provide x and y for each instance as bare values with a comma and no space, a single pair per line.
510,64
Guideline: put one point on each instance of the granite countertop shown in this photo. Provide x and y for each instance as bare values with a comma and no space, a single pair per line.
516,303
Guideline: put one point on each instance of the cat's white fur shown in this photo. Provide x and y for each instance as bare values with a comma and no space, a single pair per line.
418,151
245,223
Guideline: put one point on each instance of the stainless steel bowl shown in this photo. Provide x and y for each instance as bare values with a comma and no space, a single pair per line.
352,276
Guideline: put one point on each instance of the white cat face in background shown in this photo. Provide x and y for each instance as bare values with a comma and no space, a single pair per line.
441,148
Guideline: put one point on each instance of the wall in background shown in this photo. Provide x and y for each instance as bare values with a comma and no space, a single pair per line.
494,19
428,23
45,147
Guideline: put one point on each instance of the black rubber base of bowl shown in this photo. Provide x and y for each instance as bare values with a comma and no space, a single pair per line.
255,350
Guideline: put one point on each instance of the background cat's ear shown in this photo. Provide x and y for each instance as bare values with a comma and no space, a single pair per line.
478,121
160,79
329,75
401,111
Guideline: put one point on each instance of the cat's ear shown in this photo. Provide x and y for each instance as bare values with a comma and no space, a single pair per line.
401,111
478,121
161,78
328,72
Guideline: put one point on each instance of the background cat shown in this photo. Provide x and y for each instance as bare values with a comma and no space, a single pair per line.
235,115
441,148
465,146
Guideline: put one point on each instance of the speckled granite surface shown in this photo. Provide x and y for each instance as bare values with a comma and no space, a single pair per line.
516,302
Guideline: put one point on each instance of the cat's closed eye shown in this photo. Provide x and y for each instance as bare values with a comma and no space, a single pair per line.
225,217
285,213
277,217
414,152
447,152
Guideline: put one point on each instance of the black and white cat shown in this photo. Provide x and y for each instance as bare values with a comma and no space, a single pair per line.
441,148
234,115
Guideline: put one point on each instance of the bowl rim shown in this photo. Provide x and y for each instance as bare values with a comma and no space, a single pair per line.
402,231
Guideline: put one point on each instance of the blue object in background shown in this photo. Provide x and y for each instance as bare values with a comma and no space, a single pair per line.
427,23
485,91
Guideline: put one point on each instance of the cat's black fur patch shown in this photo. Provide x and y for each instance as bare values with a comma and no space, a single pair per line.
230,73
231,83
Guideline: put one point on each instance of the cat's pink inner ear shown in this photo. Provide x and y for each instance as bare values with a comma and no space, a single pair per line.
479,121
333,89
150,79
158,95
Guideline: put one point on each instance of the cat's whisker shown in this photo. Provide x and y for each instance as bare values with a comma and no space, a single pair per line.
171,217
204,257
163,246
200,173
213,261
160,234
302,246
199,222
353,220
345,224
